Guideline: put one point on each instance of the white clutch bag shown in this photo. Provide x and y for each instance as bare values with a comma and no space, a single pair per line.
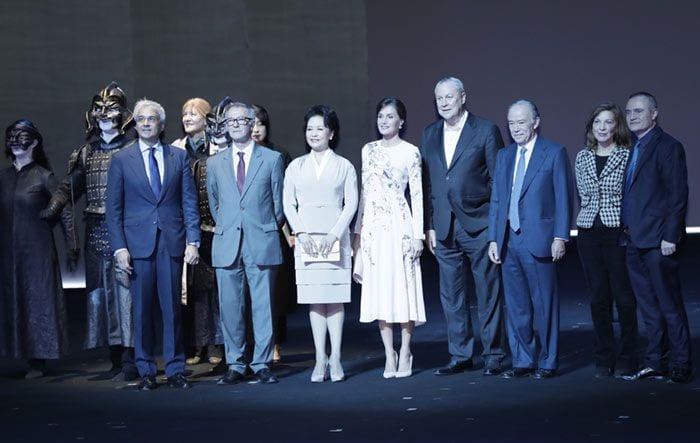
333,255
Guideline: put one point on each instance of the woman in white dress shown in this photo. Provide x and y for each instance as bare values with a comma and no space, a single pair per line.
320,200
389,237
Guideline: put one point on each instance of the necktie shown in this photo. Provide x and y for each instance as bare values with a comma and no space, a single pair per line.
513,211
628,181
155,173
240,172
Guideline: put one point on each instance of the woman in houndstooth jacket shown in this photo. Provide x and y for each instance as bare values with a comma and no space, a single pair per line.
600,179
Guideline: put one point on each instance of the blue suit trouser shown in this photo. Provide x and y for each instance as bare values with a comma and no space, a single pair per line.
656,285
532,303
157,279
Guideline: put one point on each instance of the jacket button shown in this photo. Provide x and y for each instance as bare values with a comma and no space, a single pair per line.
447,178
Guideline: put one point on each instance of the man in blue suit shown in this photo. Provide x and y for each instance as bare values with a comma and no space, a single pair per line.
528,227
153,220
244,184
459,154
653,212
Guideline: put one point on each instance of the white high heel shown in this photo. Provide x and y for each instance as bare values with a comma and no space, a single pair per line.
337,373
320,372
391,374
408,372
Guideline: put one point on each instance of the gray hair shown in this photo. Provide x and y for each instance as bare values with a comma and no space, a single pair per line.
249,109
527,103
146,103
454,80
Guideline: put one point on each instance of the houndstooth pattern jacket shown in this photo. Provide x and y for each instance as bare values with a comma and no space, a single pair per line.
600,194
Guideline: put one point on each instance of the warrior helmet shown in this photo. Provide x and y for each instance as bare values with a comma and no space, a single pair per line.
109,103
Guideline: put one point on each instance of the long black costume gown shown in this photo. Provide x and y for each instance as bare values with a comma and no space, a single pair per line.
33,313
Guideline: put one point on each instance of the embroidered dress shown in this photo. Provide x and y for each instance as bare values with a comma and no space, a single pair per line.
392,288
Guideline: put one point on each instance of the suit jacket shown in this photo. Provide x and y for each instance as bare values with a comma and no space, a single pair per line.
463,188
134,214
251,219
600,195
657,200
545,198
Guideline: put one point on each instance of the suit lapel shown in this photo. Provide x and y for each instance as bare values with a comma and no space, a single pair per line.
464,140
590,165
168,168
139,168
510,162
229,172
644,156
253,168
539,153
438,141
617,156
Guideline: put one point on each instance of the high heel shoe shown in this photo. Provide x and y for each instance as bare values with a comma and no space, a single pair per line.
337,373
408,372
391,374
320,372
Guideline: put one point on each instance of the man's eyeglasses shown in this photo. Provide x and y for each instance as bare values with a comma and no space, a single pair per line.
237,121
149,119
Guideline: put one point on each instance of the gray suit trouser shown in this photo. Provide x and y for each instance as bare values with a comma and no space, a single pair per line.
232,283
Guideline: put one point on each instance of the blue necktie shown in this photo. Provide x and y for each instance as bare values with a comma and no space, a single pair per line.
155,173
513,210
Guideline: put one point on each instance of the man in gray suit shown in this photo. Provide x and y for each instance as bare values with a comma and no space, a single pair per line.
244,184
459,157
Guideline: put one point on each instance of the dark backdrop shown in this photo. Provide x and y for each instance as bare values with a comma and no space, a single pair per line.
566,56
290,54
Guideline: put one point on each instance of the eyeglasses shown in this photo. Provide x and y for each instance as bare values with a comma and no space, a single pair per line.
149,119
237,121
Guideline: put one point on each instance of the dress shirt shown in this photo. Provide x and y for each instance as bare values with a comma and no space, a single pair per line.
529,146
451,136
146,153
247,154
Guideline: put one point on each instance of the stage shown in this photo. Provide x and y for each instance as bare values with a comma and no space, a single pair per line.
67,406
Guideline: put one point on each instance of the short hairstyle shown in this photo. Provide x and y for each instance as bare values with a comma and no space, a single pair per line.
249,109
146,103
330,121
199,105
621,135
529,104
649,97
38,154
454,80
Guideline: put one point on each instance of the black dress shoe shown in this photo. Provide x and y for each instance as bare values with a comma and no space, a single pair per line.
231,378
492,369
266,377
148,383
454,367
518,372
681,375
178,381
544,373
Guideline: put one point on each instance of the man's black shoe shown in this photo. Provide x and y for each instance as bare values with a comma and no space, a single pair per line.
231,378
148,383
518,372
454,367
265,376
178,381
681,375
544,373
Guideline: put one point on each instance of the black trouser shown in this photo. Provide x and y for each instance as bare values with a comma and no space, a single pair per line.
605,270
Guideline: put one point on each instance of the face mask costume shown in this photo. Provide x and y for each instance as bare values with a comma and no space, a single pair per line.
107,119
216,129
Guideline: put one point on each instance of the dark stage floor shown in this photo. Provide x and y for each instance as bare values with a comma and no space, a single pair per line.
67,406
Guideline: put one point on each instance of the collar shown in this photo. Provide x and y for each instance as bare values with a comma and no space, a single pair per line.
529,145
247,151
460,124
143,147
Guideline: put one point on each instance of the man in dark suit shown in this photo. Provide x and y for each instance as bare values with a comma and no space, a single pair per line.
153,220
459,154
528,227
244,185
653,213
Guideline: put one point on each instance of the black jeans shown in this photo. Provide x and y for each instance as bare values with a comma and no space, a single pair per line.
605,269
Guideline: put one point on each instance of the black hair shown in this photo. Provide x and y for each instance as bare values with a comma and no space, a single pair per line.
330,121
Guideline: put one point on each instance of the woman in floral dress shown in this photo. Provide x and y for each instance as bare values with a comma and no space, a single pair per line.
389,236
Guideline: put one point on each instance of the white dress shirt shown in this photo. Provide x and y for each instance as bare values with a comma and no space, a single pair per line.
451,136
247,154
146,155
529,146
